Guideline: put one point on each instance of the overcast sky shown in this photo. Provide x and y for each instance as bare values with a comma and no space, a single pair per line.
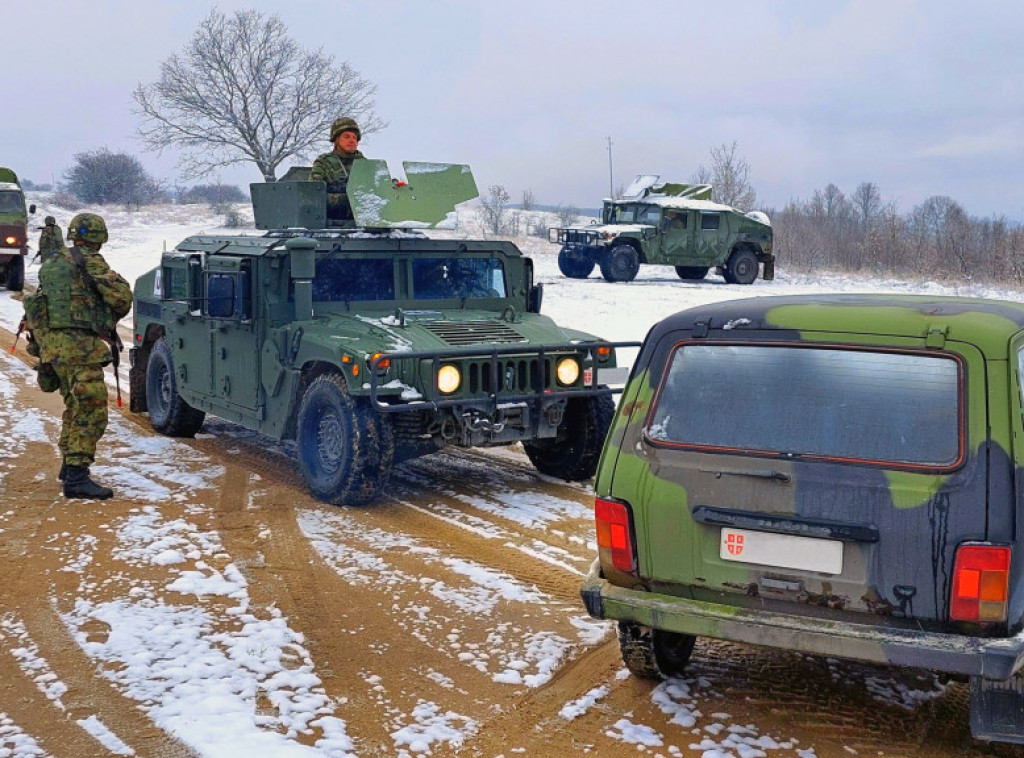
922,98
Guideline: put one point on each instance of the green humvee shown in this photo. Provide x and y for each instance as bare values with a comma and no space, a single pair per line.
839,475
669,225
367,344
13,230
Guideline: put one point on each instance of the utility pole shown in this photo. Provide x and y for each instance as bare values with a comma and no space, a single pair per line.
611,183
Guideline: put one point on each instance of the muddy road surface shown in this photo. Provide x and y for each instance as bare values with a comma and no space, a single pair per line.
213,608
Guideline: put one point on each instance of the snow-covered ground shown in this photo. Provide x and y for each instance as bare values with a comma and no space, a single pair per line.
200,686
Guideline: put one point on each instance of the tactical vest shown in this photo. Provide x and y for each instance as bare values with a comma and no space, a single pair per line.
71,302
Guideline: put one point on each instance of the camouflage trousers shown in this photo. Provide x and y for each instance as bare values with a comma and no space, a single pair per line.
85,412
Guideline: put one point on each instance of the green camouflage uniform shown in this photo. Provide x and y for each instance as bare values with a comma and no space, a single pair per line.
50,240
71,343
333,168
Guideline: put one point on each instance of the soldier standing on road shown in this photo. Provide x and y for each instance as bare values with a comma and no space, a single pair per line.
50,239
333,167
84,300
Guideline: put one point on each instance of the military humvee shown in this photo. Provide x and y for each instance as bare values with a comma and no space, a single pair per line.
13,230
669,225
839,475
370,343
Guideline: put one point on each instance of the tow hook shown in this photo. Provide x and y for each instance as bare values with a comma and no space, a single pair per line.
477,422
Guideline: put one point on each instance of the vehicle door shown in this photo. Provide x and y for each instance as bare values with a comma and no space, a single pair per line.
180,285
711,235
677,236
857,501
233,332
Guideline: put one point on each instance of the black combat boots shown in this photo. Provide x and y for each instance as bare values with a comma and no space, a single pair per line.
63,473
77,484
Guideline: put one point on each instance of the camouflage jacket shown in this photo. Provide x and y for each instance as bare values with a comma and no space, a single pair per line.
77,312
50,241
333,169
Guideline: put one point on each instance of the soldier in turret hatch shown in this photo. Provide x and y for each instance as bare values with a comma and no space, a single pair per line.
333,168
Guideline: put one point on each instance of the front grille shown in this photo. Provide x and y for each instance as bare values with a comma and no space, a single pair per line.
580,237
514,375
463,333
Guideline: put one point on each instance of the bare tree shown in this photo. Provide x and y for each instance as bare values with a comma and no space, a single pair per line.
730,176
494,209
529,203
567,214
701,176
101,176
244,91
867,200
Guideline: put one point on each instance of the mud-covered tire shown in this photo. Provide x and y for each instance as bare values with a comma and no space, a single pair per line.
573,453
573,264
652,653
741,268
346,450
168,411
620,264
16,274
692,273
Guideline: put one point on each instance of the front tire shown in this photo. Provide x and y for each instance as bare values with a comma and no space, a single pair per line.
741,267
168,411
346,451
620,264
16,274
653,653
574,265
695,273
573,453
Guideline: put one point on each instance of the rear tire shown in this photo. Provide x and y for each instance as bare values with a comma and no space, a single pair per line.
16,274
573,453
168,411
653,653
574,265
620,264
691,272
346,451
741,267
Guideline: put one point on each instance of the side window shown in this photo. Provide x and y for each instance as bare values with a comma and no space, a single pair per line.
220,296
710,221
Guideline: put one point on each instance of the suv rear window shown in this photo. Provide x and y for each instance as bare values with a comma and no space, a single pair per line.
865,406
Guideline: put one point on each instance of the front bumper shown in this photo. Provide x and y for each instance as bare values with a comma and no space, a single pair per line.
992,658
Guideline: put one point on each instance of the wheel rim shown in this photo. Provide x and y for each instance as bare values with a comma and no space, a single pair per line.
163,388
621,265
330,441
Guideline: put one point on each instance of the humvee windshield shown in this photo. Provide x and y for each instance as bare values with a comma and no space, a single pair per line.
632,213
440,278
11,202
444,278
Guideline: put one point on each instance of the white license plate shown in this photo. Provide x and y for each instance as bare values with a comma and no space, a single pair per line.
781,550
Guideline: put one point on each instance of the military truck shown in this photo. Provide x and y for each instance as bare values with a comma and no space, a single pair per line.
13,230
839,475
367,344
668,225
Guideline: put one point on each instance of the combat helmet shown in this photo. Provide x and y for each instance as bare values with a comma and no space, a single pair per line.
344,124
87,227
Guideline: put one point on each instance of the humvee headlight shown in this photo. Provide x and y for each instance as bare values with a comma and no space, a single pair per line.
448,379
11,240
567,371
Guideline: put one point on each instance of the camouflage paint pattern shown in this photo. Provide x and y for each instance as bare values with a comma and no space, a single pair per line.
891,600
334,169
51,240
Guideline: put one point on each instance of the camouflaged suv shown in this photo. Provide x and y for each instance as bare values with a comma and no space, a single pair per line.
838,475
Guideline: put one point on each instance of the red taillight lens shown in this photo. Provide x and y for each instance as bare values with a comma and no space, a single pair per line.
613,533
981,577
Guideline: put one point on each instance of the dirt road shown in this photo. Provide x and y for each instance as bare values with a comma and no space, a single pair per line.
213,608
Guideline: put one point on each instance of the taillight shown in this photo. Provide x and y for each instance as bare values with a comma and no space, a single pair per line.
981,576
614,533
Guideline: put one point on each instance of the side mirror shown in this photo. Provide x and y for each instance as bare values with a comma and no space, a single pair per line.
32,208
535,299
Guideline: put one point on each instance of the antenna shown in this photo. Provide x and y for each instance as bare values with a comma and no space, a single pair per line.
611,183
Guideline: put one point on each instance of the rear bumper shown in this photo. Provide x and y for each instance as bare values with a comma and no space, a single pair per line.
993,658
